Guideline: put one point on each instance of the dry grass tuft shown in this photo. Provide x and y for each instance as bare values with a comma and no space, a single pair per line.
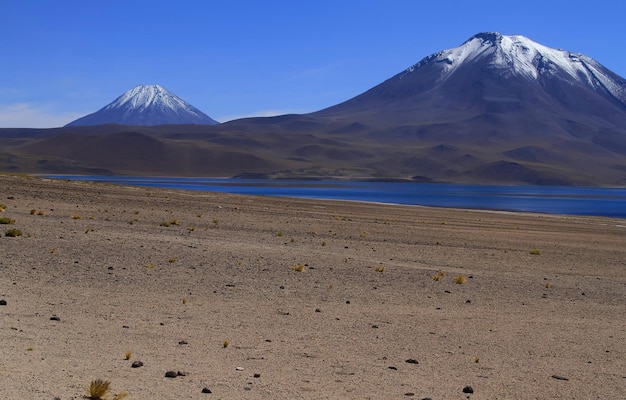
535,252
460,279
298,268
6,221
13,232
101,390
438,276
225,343
128,355
379,269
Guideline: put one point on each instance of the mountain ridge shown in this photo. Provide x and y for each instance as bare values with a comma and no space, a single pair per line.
496,109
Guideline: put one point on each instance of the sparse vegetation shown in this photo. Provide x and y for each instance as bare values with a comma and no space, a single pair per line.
379,269
279,233
6,221
298,267
101,390
535,252
172,260
169,223
438,276
76,216
548,285
2,207
460,279
128,355
225,343
13,232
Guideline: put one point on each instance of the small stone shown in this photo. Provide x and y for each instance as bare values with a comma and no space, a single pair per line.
409,394
374,326
560,378
412,361
206,390
393,368
468,301
136,364
3,302
256,375
247,388
181,373
318,310
182,342
55,318
238,368
468,389
347,301
171,374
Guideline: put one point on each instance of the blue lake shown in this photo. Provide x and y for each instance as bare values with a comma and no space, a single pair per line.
594,201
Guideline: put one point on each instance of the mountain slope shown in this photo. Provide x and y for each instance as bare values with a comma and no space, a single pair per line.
497,109
146,105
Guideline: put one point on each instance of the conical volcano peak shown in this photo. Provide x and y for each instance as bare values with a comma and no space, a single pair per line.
147,105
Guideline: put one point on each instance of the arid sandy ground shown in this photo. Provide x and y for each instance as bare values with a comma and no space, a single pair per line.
100,260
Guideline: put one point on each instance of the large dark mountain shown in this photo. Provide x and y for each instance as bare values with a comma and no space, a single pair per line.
497,109
146,105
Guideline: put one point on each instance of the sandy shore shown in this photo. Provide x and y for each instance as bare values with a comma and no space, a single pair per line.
97,274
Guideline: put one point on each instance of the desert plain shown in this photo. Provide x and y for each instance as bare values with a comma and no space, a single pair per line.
281,298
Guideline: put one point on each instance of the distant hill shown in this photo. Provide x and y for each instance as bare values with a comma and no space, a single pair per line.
497,109
146,105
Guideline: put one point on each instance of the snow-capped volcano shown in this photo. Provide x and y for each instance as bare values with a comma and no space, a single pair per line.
519,55
146,105
495,73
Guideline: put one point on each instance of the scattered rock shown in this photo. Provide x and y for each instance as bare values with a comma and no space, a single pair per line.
247,388
136,364
468,301
182,342
468,389
393,368
181,373
347,301
374,326
171,374
318,310
256,375
3,302
55,318
409,394
206,390
560,378
412,361
238,368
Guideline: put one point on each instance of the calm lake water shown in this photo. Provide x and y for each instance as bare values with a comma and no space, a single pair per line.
610,202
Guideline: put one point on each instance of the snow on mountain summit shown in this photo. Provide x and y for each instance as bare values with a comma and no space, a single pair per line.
516,54
146,105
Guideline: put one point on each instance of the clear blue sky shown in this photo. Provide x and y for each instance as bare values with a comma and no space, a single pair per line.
62,59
